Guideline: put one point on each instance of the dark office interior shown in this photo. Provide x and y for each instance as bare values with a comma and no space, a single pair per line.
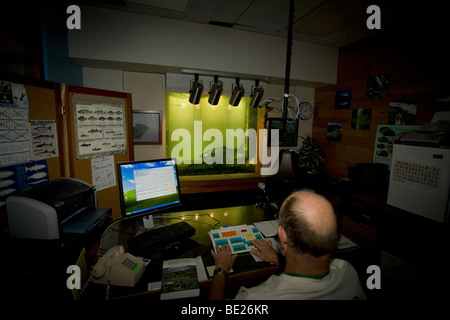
322,53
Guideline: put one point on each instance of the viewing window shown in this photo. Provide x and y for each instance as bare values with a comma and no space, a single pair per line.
187,121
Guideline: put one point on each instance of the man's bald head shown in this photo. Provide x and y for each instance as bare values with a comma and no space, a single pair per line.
310,223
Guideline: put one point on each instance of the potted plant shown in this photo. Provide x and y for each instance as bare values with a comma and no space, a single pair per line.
309,157
311,173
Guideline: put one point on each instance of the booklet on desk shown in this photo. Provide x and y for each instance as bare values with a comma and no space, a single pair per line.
267,228
179,279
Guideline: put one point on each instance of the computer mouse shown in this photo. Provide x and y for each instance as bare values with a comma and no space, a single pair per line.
176,246
173,246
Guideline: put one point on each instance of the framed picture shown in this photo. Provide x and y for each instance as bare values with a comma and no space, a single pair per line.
343,99
288,132
147,127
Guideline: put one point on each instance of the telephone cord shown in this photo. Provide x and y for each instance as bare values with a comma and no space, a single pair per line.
108,290
86,284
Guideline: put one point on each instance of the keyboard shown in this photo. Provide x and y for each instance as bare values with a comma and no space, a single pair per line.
238,237
156,239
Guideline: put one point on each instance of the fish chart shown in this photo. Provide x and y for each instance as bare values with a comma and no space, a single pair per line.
100,128
44,139
15,146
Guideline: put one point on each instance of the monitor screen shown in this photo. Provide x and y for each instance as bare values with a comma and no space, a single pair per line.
147,186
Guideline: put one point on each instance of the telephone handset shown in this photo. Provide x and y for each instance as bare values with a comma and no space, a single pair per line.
119,268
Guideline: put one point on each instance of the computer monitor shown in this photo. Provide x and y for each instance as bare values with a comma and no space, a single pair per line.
148,186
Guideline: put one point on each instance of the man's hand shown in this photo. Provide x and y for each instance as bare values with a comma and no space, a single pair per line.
265,251
223,258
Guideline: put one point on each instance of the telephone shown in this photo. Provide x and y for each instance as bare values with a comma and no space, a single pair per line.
118,268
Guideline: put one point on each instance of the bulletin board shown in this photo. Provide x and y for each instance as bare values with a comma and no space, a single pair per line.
44,105
37,118
99,127
52,120
40,103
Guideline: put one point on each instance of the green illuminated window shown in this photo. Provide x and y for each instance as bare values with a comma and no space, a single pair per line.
200,153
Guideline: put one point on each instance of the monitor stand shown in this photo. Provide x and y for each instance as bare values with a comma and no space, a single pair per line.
148,222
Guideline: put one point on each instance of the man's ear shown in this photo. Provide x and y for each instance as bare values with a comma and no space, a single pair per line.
282,235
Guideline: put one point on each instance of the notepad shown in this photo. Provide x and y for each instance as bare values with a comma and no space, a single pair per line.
267,228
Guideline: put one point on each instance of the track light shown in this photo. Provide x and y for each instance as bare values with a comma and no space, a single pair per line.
237,93
215,91
257,94
196,90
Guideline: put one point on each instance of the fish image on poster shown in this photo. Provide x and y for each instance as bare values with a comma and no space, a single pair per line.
44,139
36,173
100,126
22,176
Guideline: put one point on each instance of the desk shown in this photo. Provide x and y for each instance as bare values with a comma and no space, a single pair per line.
407,247
247,271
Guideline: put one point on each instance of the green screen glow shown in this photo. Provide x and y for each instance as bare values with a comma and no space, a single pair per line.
180,114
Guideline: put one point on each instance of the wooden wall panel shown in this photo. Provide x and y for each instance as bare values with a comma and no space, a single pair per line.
410,78
43,104
81,168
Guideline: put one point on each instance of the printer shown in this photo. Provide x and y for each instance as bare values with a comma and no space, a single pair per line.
64,206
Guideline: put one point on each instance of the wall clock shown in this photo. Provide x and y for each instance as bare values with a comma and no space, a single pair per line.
305,110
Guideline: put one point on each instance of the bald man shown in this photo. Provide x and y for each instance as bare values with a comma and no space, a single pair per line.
308,233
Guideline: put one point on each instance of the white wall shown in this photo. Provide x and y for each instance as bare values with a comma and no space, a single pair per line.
112,36
148,92
135,53
105,79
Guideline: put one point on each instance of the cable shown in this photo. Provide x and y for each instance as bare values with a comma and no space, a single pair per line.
194,218
289,111
86,285
100,247
108,290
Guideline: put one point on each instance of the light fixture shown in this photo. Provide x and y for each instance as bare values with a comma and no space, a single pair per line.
215,91
237,93
196,90
257,94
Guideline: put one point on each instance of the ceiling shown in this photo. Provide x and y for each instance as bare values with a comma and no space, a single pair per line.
335,23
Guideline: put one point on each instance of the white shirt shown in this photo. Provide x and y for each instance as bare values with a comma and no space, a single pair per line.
341,283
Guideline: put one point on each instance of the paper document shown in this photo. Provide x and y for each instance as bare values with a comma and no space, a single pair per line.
267,228
345,243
